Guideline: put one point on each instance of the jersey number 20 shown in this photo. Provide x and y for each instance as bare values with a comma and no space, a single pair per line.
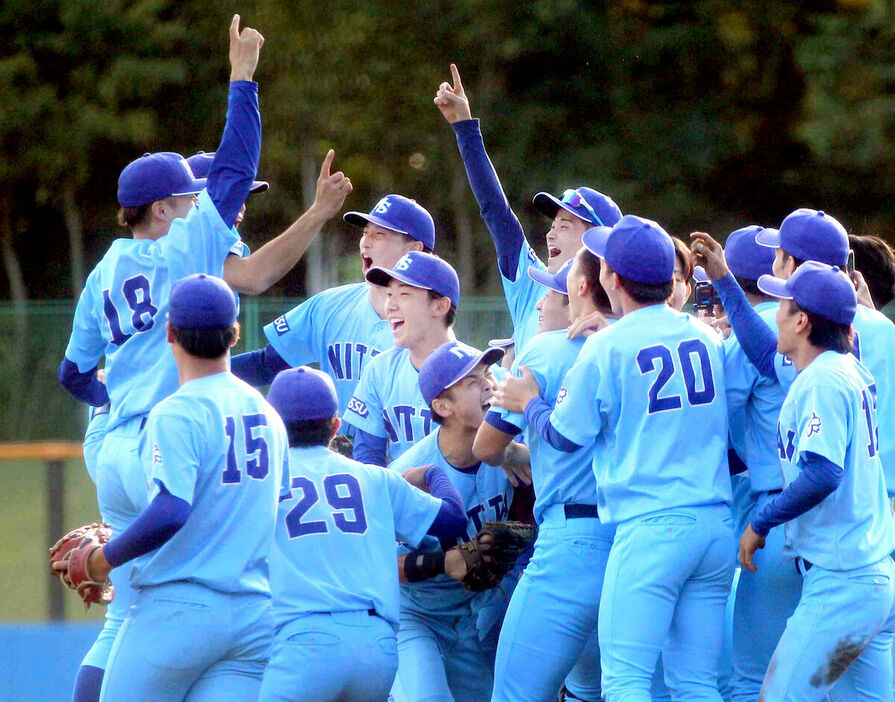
686,350
342,493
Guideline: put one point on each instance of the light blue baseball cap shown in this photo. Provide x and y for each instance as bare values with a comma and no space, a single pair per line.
421,270
816,287
810,235
302,394
201,301
636,248
201,162
156,176
585,203
553,281
398,214
449,364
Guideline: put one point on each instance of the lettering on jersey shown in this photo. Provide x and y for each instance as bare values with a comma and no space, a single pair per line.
868,404
787,361
788,449
856,346
346,359
813,424
407,423
476,513
358,407
560,398
532,256
342,492
382,206
253,448
700,390
280,325
138,297
156,455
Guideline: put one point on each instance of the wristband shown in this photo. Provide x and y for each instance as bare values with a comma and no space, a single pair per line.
422,566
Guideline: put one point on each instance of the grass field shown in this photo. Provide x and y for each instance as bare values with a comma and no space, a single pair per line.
23,558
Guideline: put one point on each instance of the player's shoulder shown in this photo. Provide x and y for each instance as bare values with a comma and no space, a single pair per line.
873,320
388,361
423,452
341,295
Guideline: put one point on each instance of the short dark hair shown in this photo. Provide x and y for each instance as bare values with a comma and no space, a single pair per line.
825,333
408,239
451,313
590,264
750,287
796,261
205,343
132,216
684,257
437,418
309,432
876,261
644,293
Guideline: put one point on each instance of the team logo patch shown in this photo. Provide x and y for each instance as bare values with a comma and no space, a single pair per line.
813,424
403,264
358,407
156,455
532,256
280,325
562,395
382,206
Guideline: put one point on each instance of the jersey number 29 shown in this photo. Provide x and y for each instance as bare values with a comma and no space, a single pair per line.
343,494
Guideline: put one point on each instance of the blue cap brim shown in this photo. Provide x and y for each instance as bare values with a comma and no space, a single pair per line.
488,356
259,186
775,287
196,187
769,238
383,276
360,219
700,276
595,239
542,277
502,343
548,205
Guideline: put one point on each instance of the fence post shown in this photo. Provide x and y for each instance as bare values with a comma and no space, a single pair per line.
55,529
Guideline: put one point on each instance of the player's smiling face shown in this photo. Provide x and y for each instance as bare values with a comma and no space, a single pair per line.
680,290
564,238
553,312
410,313
469,399
383,247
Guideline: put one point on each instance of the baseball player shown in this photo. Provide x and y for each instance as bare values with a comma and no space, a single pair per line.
332,567
200,627
341,329
447,634
388,411
577,210
551,621
119,313
683,272
835,506
648,394
875,262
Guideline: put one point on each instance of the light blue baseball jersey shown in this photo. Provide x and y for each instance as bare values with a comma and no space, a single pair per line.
334,549
558,477
874,346
486,493
337,329
123,308
388,403
649,390
217,444
831,411
522,295
753,406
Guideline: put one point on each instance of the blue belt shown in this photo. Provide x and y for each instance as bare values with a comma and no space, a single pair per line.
578,511
803,565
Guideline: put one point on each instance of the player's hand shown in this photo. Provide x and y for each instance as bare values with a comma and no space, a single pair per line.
417,477
245,46
587,324
709,254
452,100
516,464
750,542
454,564
862,290
515,393
98,566
101,375
332,188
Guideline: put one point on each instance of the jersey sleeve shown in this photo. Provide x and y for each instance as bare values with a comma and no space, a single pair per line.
530,359
173,454
296,335
822,423
285,480
786,371
577,415
364,409
522,293
413,510
86,344
198,243
740,377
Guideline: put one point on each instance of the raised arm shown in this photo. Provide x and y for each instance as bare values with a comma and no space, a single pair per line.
257,273
502,223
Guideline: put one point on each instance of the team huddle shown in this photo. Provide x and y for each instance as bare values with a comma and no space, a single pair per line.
558,516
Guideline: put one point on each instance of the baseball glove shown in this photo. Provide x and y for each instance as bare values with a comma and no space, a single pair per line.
342,444
493,553
73,550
